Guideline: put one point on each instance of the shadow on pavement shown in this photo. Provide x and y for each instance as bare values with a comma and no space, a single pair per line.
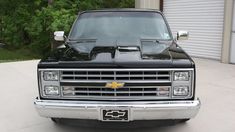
94,125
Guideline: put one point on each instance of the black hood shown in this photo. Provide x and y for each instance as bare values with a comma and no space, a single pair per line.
115,53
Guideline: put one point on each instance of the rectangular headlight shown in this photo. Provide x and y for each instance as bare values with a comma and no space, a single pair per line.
181,91
181,76
51,75
51,90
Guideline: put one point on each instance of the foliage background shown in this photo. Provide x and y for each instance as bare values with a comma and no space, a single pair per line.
28,25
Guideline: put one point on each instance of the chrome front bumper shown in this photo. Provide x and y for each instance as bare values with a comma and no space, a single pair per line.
139,110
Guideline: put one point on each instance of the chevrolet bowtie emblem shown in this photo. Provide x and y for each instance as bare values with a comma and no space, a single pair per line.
114,85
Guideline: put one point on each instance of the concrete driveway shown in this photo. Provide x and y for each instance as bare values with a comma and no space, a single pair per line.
215,87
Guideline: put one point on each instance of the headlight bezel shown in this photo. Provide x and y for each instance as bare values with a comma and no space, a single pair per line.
182,83
43,82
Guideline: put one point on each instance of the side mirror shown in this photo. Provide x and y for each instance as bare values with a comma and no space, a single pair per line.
59,35
182,35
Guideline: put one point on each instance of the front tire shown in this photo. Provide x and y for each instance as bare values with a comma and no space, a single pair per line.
184,120
55,120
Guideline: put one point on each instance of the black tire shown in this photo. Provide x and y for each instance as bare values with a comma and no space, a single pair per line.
183,120
55,120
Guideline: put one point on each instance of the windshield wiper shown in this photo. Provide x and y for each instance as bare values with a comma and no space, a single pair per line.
70,42
150,40
82,40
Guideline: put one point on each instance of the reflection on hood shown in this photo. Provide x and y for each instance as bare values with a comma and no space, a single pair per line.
116,53
146,48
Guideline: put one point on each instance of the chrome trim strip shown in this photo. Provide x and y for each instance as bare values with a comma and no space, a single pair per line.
105,98
115,69
136,75
124,81
115,92
64,103
139,86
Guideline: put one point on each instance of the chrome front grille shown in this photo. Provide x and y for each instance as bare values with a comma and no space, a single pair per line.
124,93
117,75
138,84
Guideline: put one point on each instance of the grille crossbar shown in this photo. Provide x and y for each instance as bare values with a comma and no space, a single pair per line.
157,76
68,91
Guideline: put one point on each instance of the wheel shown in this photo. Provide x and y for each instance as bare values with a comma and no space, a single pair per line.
55,120
183,120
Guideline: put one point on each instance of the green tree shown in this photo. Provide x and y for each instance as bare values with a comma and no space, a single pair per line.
30,24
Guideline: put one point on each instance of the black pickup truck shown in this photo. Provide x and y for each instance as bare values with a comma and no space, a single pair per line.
118,65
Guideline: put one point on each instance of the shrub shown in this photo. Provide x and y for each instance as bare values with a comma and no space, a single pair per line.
27,23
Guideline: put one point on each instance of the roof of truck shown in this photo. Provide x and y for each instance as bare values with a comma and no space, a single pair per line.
123,9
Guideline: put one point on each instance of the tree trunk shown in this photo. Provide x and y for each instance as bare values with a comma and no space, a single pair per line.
50,2
51,34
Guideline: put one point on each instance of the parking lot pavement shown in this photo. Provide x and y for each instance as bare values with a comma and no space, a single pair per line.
215,87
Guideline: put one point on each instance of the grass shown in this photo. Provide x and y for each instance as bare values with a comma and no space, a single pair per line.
16,55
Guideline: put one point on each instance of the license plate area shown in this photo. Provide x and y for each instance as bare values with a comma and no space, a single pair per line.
115,115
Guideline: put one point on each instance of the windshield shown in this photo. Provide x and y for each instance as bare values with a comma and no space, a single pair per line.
120,25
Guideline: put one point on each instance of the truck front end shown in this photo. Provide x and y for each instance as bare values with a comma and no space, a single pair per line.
126,77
